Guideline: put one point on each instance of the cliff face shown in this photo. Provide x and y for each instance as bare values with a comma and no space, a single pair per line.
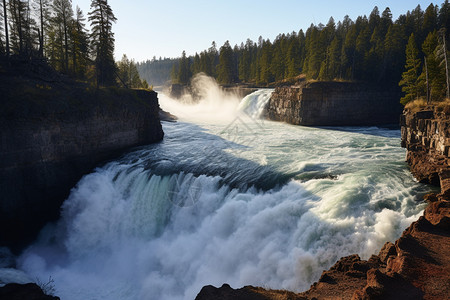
333,104
54,132
426,136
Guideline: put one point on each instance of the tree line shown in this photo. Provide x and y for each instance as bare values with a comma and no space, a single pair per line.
372,48
156,71
54,31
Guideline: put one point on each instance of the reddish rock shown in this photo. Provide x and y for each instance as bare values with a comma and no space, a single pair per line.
225,292
387,251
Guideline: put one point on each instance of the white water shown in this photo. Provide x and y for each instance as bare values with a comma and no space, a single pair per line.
227,198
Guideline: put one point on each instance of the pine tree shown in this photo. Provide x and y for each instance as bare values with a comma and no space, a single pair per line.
444,15
436,73
409,82
442,55
80,45
394,53
43,12
2,37
334,58
184,72
102,17
265,76
245,61
64,18
225,72
18,13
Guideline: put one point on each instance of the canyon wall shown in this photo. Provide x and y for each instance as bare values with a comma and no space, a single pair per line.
426,136
51,134
334,104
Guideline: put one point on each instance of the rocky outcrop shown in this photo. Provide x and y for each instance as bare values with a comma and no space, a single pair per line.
417,266
426,136
52,132
334,104
246,293
30,291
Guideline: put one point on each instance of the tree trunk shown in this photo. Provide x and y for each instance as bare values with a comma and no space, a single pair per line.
446,66
6,27
428,85
41,36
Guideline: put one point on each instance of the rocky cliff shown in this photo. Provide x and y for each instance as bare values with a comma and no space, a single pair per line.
417,265
426,136
52,132
334,104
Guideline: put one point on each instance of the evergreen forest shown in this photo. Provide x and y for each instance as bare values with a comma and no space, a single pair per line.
52,31
410,52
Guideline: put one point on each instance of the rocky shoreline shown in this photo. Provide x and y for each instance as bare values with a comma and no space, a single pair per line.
417,265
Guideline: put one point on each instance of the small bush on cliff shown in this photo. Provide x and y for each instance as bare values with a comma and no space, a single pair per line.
416,105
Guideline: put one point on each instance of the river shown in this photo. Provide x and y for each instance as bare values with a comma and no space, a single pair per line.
227,197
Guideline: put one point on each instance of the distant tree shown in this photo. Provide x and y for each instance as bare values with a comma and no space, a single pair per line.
80,44
18,12
442,56
265,75
394,53
128,74
314,52
444,15
293,56
334,59
213,57
43,11
63,17
409,80
430,19
436,73
245,61
184,71
156,71
386,21
102,17
225,72
279,58
2,37
196,65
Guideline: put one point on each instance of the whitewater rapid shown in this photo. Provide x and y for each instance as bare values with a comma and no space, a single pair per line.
227,198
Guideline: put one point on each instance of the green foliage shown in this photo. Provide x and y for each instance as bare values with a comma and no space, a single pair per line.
156,71
225,68
128,75
50,29
410,81
370,49
102,17
184,72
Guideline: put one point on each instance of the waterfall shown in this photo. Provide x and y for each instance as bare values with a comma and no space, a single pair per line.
169,218
255,103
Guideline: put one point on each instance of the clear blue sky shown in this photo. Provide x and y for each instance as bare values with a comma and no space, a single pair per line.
147,28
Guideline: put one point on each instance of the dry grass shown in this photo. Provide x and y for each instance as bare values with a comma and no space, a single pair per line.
445,102
420,104
416,105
